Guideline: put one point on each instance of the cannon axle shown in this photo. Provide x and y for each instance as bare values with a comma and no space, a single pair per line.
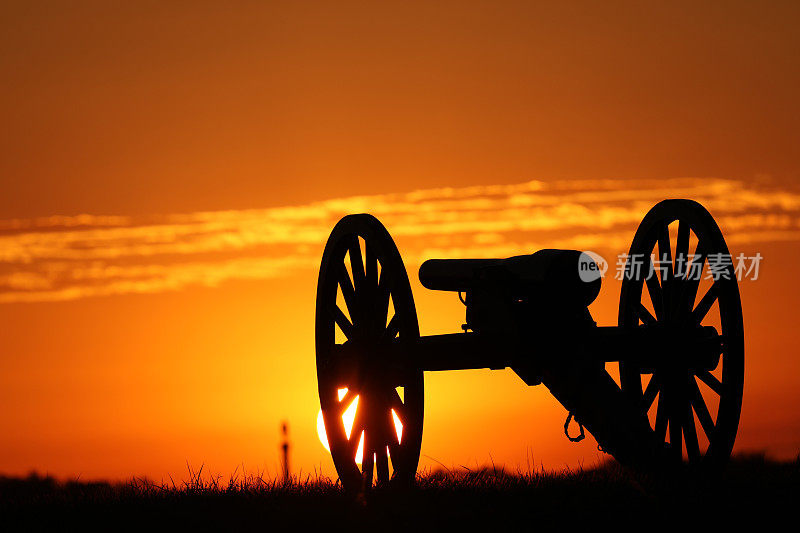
647,347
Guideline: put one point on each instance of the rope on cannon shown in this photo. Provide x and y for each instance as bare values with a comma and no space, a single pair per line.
582,434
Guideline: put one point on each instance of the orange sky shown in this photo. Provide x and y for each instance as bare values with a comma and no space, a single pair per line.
170,173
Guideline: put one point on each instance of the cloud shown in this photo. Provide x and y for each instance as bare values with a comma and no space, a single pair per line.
69,257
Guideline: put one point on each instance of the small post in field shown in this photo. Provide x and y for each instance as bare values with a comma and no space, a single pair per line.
285,449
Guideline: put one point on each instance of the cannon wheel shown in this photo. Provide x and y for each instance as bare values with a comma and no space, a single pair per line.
364,302
694,413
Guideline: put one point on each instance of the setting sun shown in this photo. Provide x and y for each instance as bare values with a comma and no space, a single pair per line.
348,417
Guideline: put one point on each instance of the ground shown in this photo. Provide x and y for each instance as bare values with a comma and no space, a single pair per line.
750,488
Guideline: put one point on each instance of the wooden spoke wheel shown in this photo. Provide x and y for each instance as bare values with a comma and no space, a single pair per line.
692,396
371,398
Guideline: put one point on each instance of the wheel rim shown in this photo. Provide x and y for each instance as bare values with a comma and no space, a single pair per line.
371,410
693,408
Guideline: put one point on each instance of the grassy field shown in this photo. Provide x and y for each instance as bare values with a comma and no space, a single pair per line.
751,487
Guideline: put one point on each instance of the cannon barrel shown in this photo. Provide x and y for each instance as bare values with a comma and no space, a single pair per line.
548,273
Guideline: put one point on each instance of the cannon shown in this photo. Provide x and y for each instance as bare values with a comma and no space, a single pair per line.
678,396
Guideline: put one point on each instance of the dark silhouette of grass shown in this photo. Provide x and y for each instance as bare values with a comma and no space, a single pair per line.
751,487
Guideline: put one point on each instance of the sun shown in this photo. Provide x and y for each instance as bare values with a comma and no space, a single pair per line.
348,417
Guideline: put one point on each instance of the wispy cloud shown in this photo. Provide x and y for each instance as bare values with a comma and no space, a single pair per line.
69,257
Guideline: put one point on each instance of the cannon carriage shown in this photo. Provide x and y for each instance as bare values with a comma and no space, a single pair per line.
530,313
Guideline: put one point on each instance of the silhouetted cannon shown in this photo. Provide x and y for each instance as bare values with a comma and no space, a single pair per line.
680,350
501,293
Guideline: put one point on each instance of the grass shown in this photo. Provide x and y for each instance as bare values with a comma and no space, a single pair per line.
751,487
